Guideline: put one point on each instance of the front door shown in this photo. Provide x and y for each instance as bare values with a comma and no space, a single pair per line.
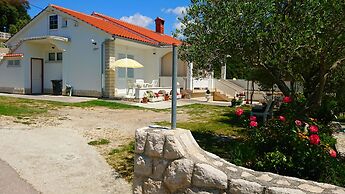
36,76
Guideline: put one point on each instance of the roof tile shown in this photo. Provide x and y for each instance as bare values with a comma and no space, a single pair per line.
120,28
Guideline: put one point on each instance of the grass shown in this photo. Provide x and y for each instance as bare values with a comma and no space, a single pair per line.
19,107
104,103
99,142
217,130
121,159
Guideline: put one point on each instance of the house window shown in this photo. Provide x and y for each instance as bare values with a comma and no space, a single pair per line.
64,23
59,56
53,22
13,63
51,57
130,72
121,73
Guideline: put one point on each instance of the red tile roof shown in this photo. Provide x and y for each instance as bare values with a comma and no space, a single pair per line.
13,55
120,28
162,38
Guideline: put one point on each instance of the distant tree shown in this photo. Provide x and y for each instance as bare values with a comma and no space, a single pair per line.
14,15
299,41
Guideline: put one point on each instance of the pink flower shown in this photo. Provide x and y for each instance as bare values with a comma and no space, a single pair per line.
298,123
287,99
252,118
332,153
314,139
282,118
253,124
239,112
313,129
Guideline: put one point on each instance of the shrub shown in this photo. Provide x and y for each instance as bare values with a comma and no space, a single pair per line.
294,144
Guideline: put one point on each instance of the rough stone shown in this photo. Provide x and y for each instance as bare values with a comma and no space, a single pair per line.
240,186
246,175
173,148
232,169
178,175
217,163
154,187
159,167
283,182
326,186
154,144
138,185
142,165
279,190
198,191
311,188
214,156
140,140
208,176
264,177
338,191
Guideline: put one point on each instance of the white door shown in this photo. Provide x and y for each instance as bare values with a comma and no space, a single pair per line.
36,76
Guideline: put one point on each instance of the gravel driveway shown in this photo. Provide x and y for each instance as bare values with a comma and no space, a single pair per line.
51,152
58,160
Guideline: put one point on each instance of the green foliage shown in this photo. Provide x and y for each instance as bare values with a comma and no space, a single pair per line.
285,148
14,15
300,41
99,142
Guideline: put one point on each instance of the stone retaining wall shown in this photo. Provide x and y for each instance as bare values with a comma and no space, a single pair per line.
171,162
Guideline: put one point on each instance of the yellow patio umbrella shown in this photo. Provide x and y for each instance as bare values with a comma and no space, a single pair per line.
126,63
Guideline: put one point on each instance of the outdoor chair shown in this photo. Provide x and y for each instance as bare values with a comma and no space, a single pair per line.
131,87
140,83
154,83
263,111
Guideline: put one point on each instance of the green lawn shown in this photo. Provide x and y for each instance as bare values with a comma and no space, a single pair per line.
10,106
217,130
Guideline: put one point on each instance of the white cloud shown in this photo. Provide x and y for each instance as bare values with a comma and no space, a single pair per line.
179,11
138,19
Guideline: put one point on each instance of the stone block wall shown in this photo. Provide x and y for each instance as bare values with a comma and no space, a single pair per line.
171,162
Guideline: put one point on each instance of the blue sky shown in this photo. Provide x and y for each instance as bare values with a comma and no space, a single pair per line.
140,12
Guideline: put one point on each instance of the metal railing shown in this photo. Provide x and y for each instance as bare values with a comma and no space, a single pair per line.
4,35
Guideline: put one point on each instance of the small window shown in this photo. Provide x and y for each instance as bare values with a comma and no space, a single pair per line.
51,56
53,22
122,56
59,56
130,56
130,72
13,63
64,23
121,72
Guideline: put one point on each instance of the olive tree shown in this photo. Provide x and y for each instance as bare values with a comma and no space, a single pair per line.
296,40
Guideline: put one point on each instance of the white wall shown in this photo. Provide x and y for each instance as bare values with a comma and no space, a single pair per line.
12,77
81,65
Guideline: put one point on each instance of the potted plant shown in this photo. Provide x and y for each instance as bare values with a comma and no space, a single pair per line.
166,97
145,100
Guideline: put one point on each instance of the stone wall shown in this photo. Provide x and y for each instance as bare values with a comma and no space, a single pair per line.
170,161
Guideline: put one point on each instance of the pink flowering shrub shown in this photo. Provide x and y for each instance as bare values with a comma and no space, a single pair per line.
294,144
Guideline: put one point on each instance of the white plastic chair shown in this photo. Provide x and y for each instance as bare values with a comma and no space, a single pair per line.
154,83
139,82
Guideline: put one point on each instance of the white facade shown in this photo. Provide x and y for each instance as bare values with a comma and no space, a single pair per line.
82,65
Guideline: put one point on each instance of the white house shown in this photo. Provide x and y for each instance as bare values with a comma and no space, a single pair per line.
62,44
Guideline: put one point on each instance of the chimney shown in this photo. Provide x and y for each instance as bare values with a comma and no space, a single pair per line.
159,25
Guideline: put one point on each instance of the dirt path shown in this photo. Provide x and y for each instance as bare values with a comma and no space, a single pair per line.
52,154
